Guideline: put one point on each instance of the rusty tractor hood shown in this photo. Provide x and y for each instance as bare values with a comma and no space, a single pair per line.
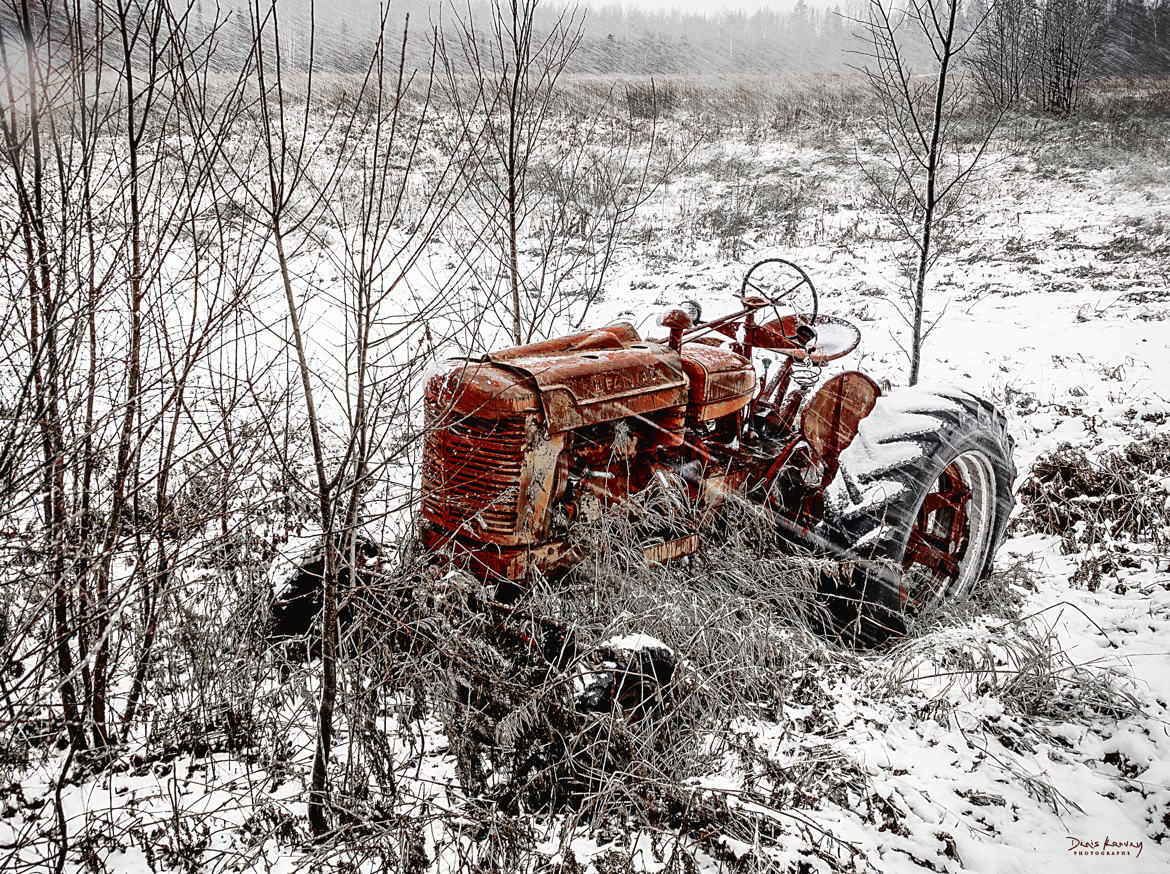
582,379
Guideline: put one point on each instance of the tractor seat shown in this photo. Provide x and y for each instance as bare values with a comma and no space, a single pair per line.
835,337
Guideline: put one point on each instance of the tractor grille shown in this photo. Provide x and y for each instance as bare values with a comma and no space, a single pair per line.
471,474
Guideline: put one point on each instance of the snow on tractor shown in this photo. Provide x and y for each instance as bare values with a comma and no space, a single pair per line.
911,489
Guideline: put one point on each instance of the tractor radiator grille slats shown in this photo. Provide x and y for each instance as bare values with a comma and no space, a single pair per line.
471,473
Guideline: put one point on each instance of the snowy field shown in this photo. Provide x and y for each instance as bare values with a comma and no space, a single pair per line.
1058,308
1027,731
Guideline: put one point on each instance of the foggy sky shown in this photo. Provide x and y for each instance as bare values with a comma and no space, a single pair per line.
708,7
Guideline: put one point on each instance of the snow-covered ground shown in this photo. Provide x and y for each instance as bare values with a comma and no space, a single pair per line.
967,748
1058,308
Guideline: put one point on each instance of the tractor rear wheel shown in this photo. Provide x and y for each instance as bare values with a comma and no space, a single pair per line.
921,499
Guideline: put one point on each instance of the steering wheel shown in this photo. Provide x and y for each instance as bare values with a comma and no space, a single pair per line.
786,278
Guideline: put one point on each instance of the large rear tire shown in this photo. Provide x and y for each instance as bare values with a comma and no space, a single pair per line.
921,499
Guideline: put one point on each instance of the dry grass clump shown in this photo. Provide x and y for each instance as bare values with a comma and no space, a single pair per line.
428,652
738,618
1120,495
987,667
508,682
731,615
997,598
1019,668
741,610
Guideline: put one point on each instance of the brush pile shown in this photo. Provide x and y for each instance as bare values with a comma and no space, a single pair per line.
1118,499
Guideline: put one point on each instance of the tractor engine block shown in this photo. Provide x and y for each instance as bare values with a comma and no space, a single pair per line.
518,433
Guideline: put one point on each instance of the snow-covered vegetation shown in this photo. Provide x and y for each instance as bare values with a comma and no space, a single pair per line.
223,290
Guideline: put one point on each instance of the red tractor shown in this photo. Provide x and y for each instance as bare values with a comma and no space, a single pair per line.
912,489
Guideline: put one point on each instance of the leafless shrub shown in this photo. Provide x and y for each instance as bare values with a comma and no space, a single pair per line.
1043,52
553,184
501,73
1003,51
1069,41
652,100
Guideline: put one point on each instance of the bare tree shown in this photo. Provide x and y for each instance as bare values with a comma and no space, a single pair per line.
592,179
26,120
1003,50
1042,50
502,80
556,176
356,171
920,179
1070,40
93,97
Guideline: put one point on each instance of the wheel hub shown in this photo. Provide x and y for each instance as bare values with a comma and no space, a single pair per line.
947,547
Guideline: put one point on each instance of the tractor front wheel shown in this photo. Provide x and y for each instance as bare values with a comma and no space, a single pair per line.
921,500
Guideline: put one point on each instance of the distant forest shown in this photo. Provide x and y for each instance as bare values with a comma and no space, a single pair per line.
628,42
810,40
